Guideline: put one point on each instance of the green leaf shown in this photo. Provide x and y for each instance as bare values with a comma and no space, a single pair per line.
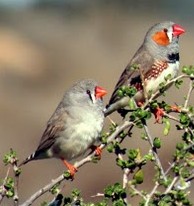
157,142
185,69
168,77
10,157
149,157
178,83
187,137
124,90
180,145
190,163
134,67
110,148
132,104
75,193
138,176
184,119
189,70
67,175
132,154
9,193
108,192
142,114
167,126
55,189
185,173
121,163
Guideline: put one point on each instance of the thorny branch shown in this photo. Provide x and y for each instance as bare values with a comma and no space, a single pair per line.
149,196
183,110
16,184
126,172
2,188
188,94
157,159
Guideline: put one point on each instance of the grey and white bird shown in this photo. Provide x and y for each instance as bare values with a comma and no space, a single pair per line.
157,57
75,125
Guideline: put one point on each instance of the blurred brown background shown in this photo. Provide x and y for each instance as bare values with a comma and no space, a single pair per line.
45,46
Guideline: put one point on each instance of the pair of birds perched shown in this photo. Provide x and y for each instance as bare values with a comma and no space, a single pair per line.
78,120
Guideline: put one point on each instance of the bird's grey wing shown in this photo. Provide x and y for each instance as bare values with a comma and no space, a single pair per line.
131,76
54,127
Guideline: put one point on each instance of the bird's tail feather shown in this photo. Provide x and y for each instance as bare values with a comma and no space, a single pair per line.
28,159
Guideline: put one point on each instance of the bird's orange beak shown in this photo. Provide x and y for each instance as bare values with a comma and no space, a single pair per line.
177,30
100,92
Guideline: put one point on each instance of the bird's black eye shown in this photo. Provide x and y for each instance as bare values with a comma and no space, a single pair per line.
165,30
89,94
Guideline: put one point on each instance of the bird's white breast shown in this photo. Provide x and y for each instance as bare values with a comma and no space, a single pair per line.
82,131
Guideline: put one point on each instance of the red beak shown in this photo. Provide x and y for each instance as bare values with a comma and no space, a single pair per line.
177,30
100,92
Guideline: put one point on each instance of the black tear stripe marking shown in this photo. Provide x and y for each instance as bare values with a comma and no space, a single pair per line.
173,58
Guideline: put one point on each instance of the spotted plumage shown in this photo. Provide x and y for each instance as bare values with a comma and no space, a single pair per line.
157,68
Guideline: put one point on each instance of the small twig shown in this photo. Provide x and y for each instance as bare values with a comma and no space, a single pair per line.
169,168
151,194
125,178
168,189
98,195
16,180
137,191
43,190
173,164
190,130
111,121
188,94
154,95
154,152
171,117
2,187
191,177
123,102
126,172
189,147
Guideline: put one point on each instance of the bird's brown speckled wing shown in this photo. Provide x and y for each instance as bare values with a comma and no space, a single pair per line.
130,77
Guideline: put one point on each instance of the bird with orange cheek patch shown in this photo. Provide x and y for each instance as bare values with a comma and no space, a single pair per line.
157,58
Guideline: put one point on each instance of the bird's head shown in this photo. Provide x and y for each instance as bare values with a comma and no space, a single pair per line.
162,37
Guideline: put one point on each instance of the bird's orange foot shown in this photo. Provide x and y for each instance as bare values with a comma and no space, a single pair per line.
70,167
175,108
140,104
158,113
97,150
